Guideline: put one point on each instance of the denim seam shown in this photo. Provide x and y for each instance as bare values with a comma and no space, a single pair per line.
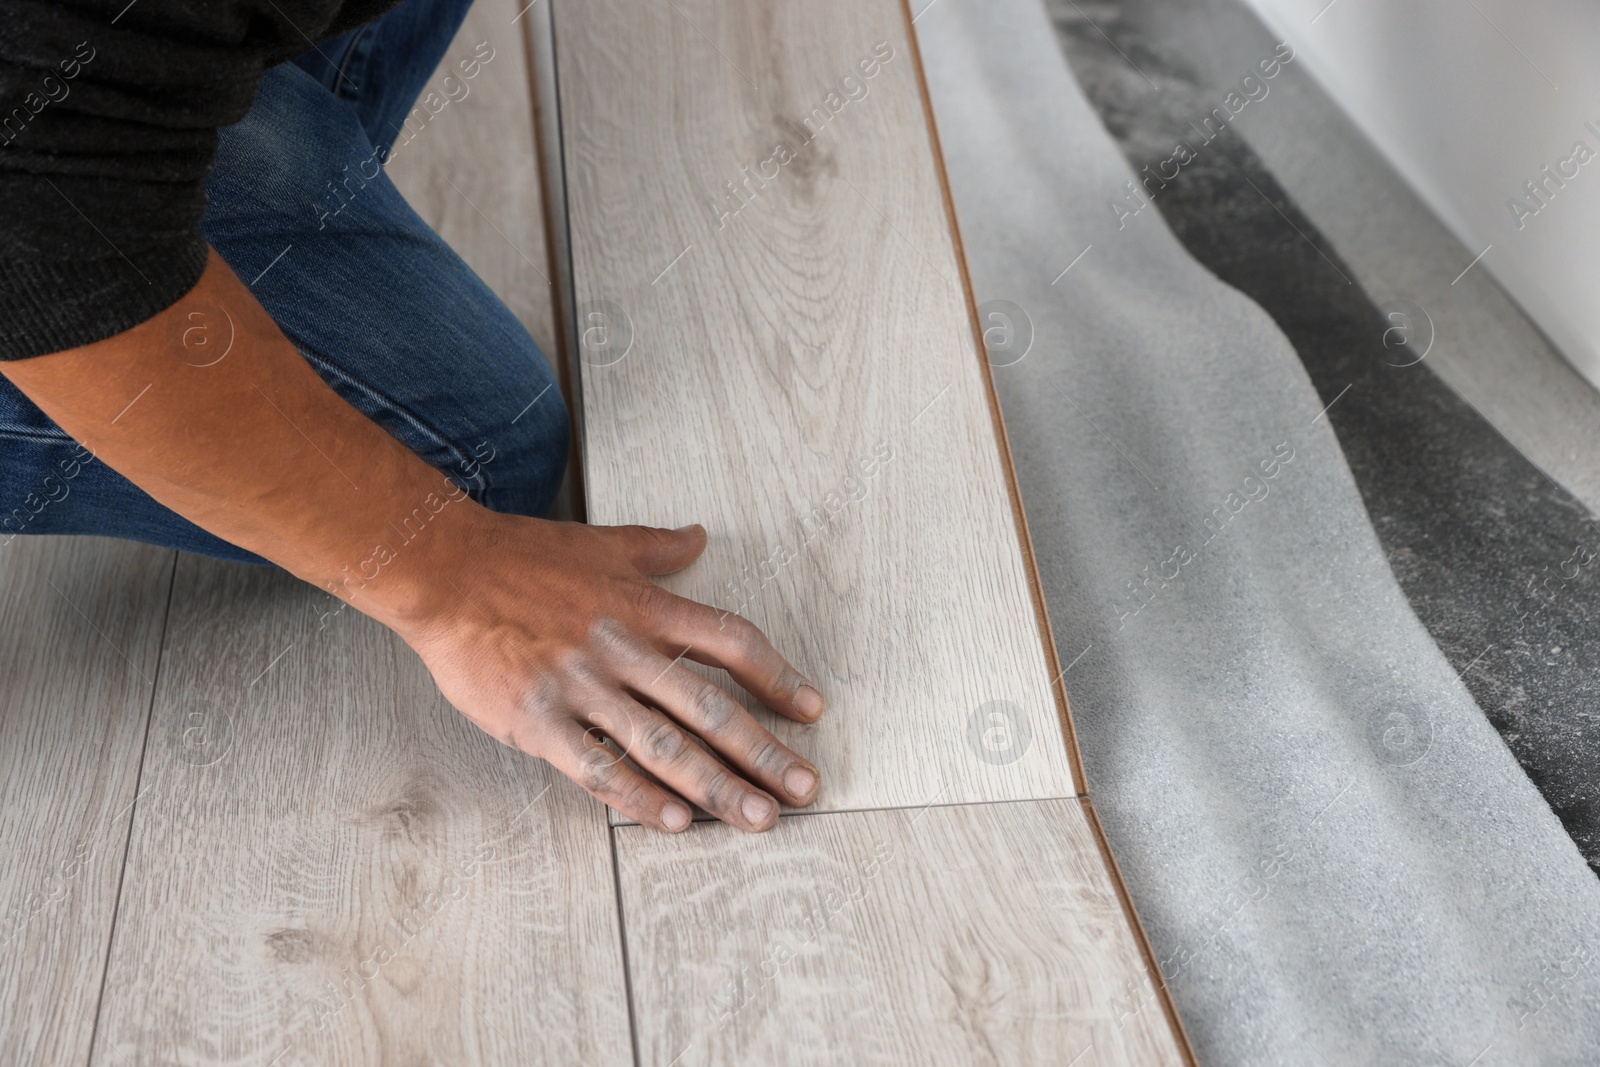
40,437
353,62
478,482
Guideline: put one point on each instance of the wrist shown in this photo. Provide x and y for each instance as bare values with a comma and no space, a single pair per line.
407,575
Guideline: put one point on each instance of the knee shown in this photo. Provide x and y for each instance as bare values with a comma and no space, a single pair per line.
518,465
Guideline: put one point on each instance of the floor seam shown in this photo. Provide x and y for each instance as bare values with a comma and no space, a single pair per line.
622,940
133,810
897,807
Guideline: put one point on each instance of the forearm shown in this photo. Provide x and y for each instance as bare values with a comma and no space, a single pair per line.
546,634
252,445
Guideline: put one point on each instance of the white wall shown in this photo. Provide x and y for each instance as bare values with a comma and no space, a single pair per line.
1469,99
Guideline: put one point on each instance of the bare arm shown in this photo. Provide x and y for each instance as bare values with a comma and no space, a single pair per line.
540,632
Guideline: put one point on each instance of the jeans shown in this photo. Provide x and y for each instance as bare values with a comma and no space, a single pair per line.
375,301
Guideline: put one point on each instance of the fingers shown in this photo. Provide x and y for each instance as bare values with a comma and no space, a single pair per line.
656,551
578,752
663,748
716,638
732,642
709,712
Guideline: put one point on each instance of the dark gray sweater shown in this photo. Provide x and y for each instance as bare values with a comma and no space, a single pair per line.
108,124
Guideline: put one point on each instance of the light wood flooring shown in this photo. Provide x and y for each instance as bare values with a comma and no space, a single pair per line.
243,827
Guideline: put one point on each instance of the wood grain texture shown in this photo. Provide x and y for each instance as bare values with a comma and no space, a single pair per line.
80,633
973,934
793,366
330,865
472,174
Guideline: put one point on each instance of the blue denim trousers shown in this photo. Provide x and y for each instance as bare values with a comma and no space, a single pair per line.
378,304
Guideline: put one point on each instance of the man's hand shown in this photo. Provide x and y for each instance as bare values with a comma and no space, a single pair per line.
557,637
548,635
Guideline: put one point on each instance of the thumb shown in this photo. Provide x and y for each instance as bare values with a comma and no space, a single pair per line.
658,551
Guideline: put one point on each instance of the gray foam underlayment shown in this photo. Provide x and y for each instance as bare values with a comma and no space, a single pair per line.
1334,855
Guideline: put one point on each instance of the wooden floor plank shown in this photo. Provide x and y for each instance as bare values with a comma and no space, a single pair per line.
361,876
776,344
80,632
775,341
973,934
330,865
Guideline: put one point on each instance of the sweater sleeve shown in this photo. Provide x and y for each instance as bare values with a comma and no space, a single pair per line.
109,112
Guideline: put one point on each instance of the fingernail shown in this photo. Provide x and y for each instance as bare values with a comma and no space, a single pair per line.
674,817
757,808
799,782
809,701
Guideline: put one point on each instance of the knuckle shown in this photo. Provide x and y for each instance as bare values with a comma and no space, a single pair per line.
647,534
542,700
770,756
711,708
748,639
663,741
649,601
719,789
607,638
636,802
784,679
598,768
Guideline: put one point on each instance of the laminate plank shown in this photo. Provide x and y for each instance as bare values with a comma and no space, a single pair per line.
80,635
793,365
973,934
331,865
472,172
